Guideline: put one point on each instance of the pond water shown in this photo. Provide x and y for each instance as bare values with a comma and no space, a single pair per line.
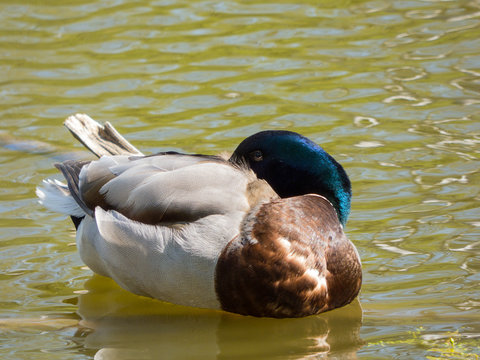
390,88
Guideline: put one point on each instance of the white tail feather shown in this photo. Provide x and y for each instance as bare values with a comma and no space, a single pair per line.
55,196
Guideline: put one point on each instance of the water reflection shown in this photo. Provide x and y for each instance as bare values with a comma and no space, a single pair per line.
125,326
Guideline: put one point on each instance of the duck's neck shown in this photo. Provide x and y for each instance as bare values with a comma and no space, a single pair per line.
321,175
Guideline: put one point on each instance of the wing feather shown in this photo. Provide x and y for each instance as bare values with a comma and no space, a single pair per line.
165,188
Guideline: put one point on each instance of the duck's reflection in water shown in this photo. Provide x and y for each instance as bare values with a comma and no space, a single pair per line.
125,326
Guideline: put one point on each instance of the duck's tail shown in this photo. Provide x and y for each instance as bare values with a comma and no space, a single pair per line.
56,196
101,140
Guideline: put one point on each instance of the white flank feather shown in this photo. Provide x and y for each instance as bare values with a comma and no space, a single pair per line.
55,196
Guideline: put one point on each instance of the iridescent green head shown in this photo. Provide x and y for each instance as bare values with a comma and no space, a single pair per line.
294,165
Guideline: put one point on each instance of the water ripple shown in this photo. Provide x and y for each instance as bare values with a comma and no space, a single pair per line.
390,88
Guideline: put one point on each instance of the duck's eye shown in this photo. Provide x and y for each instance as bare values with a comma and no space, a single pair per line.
256,155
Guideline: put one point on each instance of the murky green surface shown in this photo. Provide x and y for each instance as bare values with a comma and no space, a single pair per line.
390,88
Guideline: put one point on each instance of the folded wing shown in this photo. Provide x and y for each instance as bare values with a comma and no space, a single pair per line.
167,188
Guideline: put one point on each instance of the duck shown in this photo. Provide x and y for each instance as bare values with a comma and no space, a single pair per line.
258,233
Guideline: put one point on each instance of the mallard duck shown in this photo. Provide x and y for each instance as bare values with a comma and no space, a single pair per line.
257,233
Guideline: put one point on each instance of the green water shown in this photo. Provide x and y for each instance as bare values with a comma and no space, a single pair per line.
390,88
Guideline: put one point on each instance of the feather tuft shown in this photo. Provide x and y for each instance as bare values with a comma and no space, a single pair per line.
55,196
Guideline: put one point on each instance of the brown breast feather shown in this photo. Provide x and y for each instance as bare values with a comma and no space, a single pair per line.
291,259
